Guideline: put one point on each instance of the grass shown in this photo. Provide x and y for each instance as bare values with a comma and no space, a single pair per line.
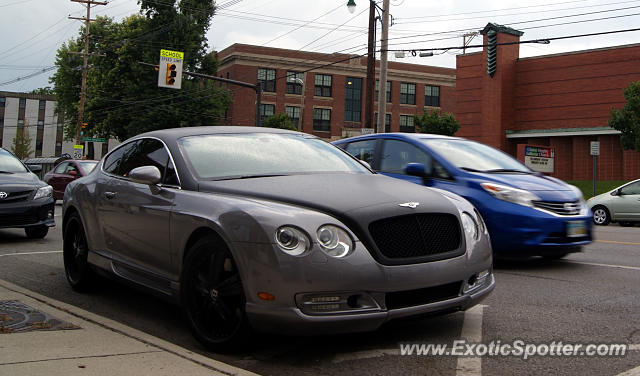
586,186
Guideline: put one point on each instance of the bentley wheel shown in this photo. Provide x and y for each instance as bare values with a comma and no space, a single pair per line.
36,232
601,216
75,251
212,296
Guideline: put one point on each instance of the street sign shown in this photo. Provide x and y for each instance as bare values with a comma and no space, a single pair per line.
170,69
90,139
595,148
78,151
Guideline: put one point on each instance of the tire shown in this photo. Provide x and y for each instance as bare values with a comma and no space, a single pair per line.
36,232
213,297
75,250
601,216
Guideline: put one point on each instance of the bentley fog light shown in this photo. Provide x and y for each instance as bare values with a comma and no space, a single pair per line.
43,192
292,241
334,241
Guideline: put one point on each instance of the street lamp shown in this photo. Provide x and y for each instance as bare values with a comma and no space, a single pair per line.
351,5
301,82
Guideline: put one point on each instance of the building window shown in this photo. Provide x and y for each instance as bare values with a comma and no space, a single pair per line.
322,85
20,123
353,99
42,104
432,96
294,114
293,85
322,119
388,90
387,122
407,93
266,110
22,103
39,138
267,77
406,124
2,101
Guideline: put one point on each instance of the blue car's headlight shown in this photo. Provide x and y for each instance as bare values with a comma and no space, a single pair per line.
510,194
43,192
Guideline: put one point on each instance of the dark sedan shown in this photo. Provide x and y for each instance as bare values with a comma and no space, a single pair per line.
25,201
274,230
66,172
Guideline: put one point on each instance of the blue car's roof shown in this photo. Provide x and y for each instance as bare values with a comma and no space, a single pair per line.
413,136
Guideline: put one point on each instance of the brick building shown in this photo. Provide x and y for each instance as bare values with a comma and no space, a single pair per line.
333,94
562,101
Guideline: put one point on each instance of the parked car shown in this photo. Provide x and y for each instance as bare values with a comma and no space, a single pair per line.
527,213
271,229
620,205
65,172
25,200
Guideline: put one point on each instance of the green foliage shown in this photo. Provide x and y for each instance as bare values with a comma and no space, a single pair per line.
123,98
22,143
47,90
435,123
627,120
279,121
602,186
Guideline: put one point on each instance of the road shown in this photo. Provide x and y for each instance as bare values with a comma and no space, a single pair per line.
590,297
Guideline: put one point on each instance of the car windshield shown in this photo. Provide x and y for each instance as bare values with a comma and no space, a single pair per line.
9,163
88,166
475,157
246,155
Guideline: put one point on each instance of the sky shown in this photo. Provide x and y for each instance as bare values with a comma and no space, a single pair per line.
33,30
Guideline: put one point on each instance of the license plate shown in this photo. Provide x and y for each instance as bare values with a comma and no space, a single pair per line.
576,229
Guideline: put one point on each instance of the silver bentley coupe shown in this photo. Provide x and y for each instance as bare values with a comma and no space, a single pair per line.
273,230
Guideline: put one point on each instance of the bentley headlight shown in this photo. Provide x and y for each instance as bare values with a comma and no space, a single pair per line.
470,226
334,241
43,192
515,195
292,241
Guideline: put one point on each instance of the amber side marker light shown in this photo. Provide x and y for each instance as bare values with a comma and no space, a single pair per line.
266,296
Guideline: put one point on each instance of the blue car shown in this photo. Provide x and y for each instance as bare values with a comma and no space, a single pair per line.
526,212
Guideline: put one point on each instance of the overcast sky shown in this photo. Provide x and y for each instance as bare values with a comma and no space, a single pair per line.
34,29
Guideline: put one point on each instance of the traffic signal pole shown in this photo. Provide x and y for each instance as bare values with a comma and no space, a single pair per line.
257,87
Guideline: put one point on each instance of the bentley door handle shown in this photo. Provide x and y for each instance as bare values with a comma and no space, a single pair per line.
109,195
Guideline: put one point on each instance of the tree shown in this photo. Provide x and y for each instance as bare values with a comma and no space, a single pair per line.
279,121
22,143
123,98
435,123
47,90
627,120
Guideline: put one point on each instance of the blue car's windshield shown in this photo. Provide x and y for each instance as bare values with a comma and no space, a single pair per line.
475,157
246,155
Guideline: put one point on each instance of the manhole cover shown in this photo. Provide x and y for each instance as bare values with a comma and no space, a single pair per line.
16,317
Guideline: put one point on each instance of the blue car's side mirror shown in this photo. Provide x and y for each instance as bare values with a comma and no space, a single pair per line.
419,169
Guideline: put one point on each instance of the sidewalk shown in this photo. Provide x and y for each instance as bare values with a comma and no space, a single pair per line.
99,347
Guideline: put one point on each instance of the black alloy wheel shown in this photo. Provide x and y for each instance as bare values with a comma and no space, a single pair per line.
75,251
213,297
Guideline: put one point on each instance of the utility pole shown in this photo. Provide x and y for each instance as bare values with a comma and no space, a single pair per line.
465,42
371,68
83,87
382,88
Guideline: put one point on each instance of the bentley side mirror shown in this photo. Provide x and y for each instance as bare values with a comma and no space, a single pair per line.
149,175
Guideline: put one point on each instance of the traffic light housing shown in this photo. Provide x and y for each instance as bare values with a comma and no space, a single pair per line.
171,74
492,52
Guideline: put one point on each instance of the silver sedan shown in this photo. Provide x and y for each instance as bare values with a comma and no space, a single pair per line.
271,230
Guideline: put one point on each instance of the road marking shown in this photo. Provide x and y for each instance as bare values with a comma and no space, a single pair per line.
631,372
605,265
29,253
472,333
616,242
635,347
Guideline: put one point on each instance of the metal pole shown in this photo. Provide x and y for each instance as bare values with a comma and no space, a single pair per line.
258,103
382,89
594,175
371,68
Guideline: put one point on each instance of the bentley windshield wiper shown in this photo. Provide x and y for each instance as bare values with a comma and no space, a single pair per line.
251,176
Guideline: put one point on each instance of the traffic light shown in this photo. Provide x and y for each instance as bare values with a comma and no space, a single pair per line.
171,74
492,52
82,128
